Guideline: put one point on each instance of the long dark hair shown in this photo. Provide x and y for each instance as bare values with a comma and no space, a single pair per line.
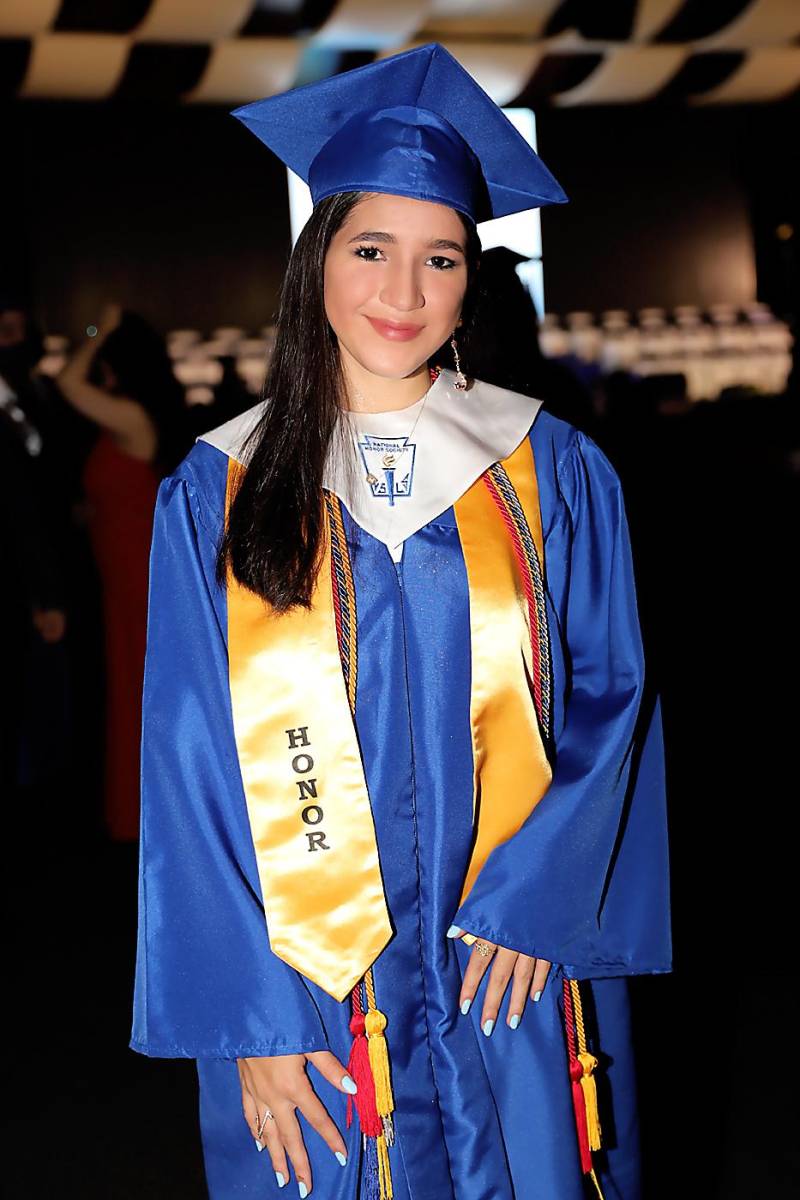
274,533
137,354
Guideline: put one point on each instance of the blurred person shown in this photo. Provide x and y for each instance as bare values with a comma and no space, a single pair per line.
122,382
32,610
504,348
403,803
32,516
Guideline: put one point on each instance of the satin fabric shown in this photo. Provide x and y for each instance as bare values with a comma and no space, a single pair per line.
583,881
412,124
303,780
511,771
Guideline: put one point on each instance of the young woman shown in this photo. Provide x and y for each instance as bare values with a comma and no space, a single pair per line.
122,382
401,786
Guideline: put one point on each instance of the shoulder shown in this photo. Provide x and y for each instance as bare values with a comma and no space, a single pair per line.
571,468
231,437
203,473
553,440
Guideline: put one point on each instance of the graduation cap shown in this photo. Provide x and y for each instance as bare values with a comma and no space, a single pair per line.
415,124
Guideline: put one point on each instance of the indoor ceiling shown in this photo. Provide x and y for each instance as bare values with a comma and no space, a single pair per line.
558,52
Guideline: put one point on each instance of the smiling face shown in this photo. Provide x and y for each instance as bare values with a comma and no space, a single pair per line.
395,280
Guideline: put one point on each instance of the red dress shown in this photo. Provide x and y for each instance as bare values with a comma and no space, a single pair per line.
121,491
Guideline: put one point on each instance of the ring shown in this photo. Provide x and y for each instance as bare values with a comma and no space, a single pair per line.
483,948
267,1117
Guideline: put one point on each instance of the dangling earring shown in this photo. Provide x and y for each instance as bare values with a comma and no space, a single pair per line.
461,379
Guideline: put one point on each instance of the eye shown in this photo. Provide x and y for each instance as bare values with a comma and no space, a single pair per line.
366,253
441,263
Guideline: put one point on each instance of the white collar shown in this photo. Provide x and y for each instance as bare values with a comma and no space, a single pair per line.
458,435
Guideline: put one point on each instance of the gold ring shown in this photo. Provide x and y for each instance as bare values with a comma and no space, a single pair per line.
483,948
267,1117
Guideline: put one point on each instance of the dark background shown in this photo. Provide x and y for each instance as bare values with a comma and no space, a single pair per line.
179,213
155,205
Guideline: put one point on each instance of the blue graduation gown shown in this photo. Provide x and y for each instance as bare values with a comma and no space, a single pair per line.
583,883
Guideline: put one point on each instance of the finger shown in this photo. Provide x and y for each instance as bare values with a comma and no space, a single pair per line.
289,1128
523,976
274,1144
320,1119
250,1110
540,973
331,1069
476,969
502,969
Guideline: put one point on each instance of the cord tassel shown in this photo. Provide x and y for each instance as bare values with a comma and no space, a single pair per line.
358,1067
375,1022
579,1105
359,1070
379,1062
588,1063
582,1065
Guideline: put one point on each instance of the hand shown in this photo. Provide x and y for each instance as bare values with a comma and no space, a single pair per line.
528,976
110,318
280,1084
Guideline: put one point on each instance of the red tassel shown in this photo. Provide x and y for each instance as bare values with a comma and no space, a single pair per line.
360,1071
579,1104
575,1073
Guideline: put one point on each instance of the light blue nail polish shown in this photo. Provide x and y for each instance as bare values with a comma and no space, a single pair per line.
514,1022
259,1145
537,997
341,1157
349,1085
465,1006
280,1179
454,931
488,1026
302,1189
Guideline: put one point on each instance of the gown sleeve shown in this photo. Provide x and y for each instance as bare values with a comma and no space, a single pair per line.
584,882
207,984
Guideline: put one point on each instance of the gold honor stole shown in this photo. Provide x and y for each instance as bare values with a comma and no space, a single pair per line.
307,799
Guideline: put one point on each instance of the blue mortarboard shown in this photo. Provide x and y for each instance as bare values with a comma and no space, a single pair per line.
416,124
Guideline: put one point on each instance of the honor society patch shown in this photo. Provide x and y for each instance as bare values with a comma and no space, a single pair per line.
389,463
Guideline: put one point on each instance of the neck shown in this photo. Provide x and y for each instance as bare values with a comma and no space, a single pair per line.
366,392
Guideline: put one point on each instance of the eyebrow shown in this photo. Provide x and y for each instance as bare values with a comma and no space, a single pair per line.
376,235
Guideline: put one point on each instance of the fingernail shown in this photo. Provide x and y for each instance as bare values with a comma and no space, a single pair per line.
341,1157
280,1179
349,1085
465,1006
488,1026
514,1022
537,997
259,1145
302,1189
454,931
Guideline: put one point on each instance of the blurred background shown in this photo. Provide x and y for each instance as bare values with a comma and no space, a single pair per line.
144,237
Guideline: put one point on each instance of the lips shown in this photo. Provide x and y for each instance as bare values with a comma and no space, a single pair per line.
393,331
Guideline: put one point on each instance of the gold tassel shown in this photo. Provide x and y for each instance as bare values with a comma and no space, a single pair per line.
374,1025
588,1086
384,1171
589,1062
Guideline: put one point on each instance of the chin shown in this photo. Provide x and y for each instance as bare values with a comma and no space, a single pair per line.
393,363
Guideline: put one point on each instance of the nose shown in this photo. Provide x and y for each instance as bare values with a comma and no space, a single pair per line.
401,288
